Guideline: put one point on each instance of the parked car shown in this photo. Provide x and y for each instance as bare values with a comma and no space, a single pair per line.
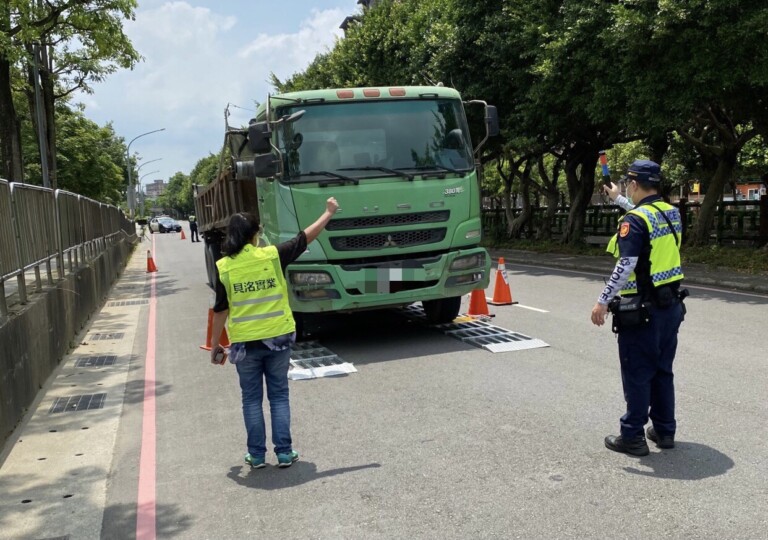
163,224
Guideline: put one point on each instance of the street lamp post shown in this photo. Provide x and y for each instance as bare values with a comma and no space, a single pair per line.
146,163
131,194
140,190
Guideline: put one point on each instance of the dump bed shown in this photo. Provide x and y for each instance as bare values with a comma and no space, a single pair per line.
216,202
228,194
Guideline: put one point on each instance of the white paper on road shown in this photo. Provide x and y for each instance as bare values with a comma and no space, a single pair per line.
299,374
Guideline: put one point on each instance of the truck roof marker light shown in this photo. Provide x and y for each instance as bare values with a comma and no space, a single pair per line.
397,92
345,94
372,92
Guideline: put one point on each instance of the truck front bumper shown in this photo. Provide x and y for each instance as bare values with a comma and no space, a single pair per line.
321,287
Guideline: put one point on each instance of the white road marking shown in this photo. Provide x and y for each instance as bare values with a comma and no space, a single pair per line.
532,308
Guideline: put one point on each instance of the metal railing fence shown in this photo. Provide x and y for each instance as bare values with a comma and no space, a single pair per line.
743,222
42,229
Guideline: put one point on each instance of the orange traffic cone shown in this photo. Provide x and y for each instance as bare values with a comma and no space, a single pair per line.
182,235
477,303
150,263
223,340
502,295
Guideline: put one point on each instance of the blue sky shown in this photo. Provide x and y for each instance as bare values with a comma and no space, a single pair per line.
199,56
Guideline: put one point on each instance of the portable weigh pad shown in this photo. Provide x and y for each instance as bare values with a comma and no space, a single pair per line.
479,333
310,360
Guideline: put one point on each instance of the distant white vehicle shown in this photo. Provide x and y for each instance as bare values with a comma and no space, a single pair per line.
163,224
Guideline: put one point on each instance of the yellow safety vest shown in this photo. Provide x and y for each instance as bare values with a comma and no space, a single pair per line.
257,294
665,253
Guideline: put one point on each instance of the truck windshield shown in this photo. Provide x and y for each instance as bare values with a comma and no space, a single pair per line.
375,138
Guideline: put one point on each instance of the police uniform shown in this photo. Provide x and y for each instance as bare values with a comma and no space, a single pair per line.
648,269
193,229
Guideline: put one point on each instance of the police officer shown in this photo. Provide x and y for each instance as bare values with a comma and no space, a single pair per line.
193,229
648,270
252,295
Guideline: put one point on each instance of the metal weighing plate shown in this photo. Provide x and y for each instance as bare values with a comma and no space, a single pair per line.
481,334
310,360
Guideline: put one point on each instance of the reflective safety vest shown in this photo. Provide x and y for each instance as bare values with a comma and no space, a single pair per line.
257,294
192,219
665,252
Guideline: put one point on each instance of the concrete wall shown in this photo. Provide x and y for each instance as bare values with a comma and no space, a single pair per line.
33,341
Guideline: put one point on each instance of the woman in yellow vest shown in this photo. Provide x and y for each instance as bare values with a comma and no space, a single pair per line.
252,297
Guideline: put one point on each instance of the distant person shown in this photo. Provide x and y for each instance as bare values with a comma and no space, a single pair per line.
252,296
648,276
193,229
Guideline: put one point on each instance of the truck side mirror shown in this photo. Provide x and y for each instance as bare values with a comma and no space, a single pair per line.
259,137
492,120
265,165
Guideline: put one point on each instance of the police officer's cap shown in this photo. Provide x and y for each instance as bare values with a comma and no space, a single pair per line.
645,171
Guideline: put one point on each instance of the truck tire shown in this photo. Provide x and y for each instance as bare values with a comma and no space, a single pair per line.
442,311
212,254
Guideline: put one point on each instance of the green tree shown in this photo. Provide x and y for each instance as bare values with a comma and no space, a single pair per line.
74,42
709,79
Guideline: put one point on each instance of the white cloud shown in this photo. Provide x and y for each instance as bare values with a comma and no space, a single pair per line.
196,61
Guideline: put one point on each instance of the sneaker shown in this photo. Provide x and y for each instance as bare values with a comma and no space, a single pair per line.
286,460
255,462
662,441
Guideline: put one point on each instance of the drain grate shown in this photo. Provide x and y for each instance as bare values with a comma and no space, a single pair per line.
121,303
310,360
107,336
78,403
96,361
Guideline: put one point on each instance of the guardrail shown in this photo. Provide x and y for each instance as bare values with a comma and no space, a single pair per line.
46,230
744,222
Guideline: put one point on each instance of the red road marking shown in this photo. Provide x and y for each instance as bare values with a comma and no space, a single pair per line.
146,511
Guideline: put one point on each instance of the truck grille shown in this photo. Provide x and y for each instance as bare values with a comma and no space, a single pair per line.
383,241
369,222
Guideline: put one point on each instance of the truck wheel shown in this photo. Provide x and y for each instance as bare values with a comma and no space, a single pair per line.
442,311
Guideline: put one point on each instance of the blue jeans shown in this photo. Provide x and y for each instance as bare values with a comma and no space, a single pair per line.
259,363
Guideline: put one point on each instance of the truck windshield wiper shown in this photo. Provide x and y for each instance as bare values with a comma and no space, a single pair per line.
341,177
432,168
383,169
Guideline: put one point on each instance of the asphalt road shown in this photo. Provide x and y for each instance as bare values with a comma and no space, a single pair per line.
432,438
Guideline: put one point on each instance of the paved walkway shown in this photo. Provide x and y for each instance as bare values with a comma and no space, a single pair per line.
695,274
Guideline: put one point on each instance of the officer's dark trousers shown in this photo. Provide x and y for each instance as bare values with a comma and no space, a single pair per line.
646,355
193,233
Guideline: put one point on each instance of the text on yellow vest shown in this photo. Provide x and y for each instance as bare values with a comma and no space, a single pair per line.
257,294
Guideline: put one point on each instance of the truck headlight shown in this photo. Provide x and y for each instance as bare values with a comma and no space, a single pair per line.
473,234
468,261
311,278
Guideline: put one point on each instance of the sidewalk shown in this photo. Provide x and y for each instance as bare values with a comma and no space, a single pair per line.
695,274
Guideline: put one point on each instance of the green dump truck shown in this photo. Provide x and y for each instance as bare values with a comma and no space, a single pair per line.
400,163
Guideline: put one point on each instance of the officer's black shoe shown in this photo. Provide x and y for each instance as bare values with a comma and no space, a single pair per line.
663,441
633,447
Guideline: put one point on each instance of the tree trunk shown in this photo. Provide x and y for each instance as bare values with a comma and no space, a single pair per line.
552,195
515,227
725,166
580,177
11,164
